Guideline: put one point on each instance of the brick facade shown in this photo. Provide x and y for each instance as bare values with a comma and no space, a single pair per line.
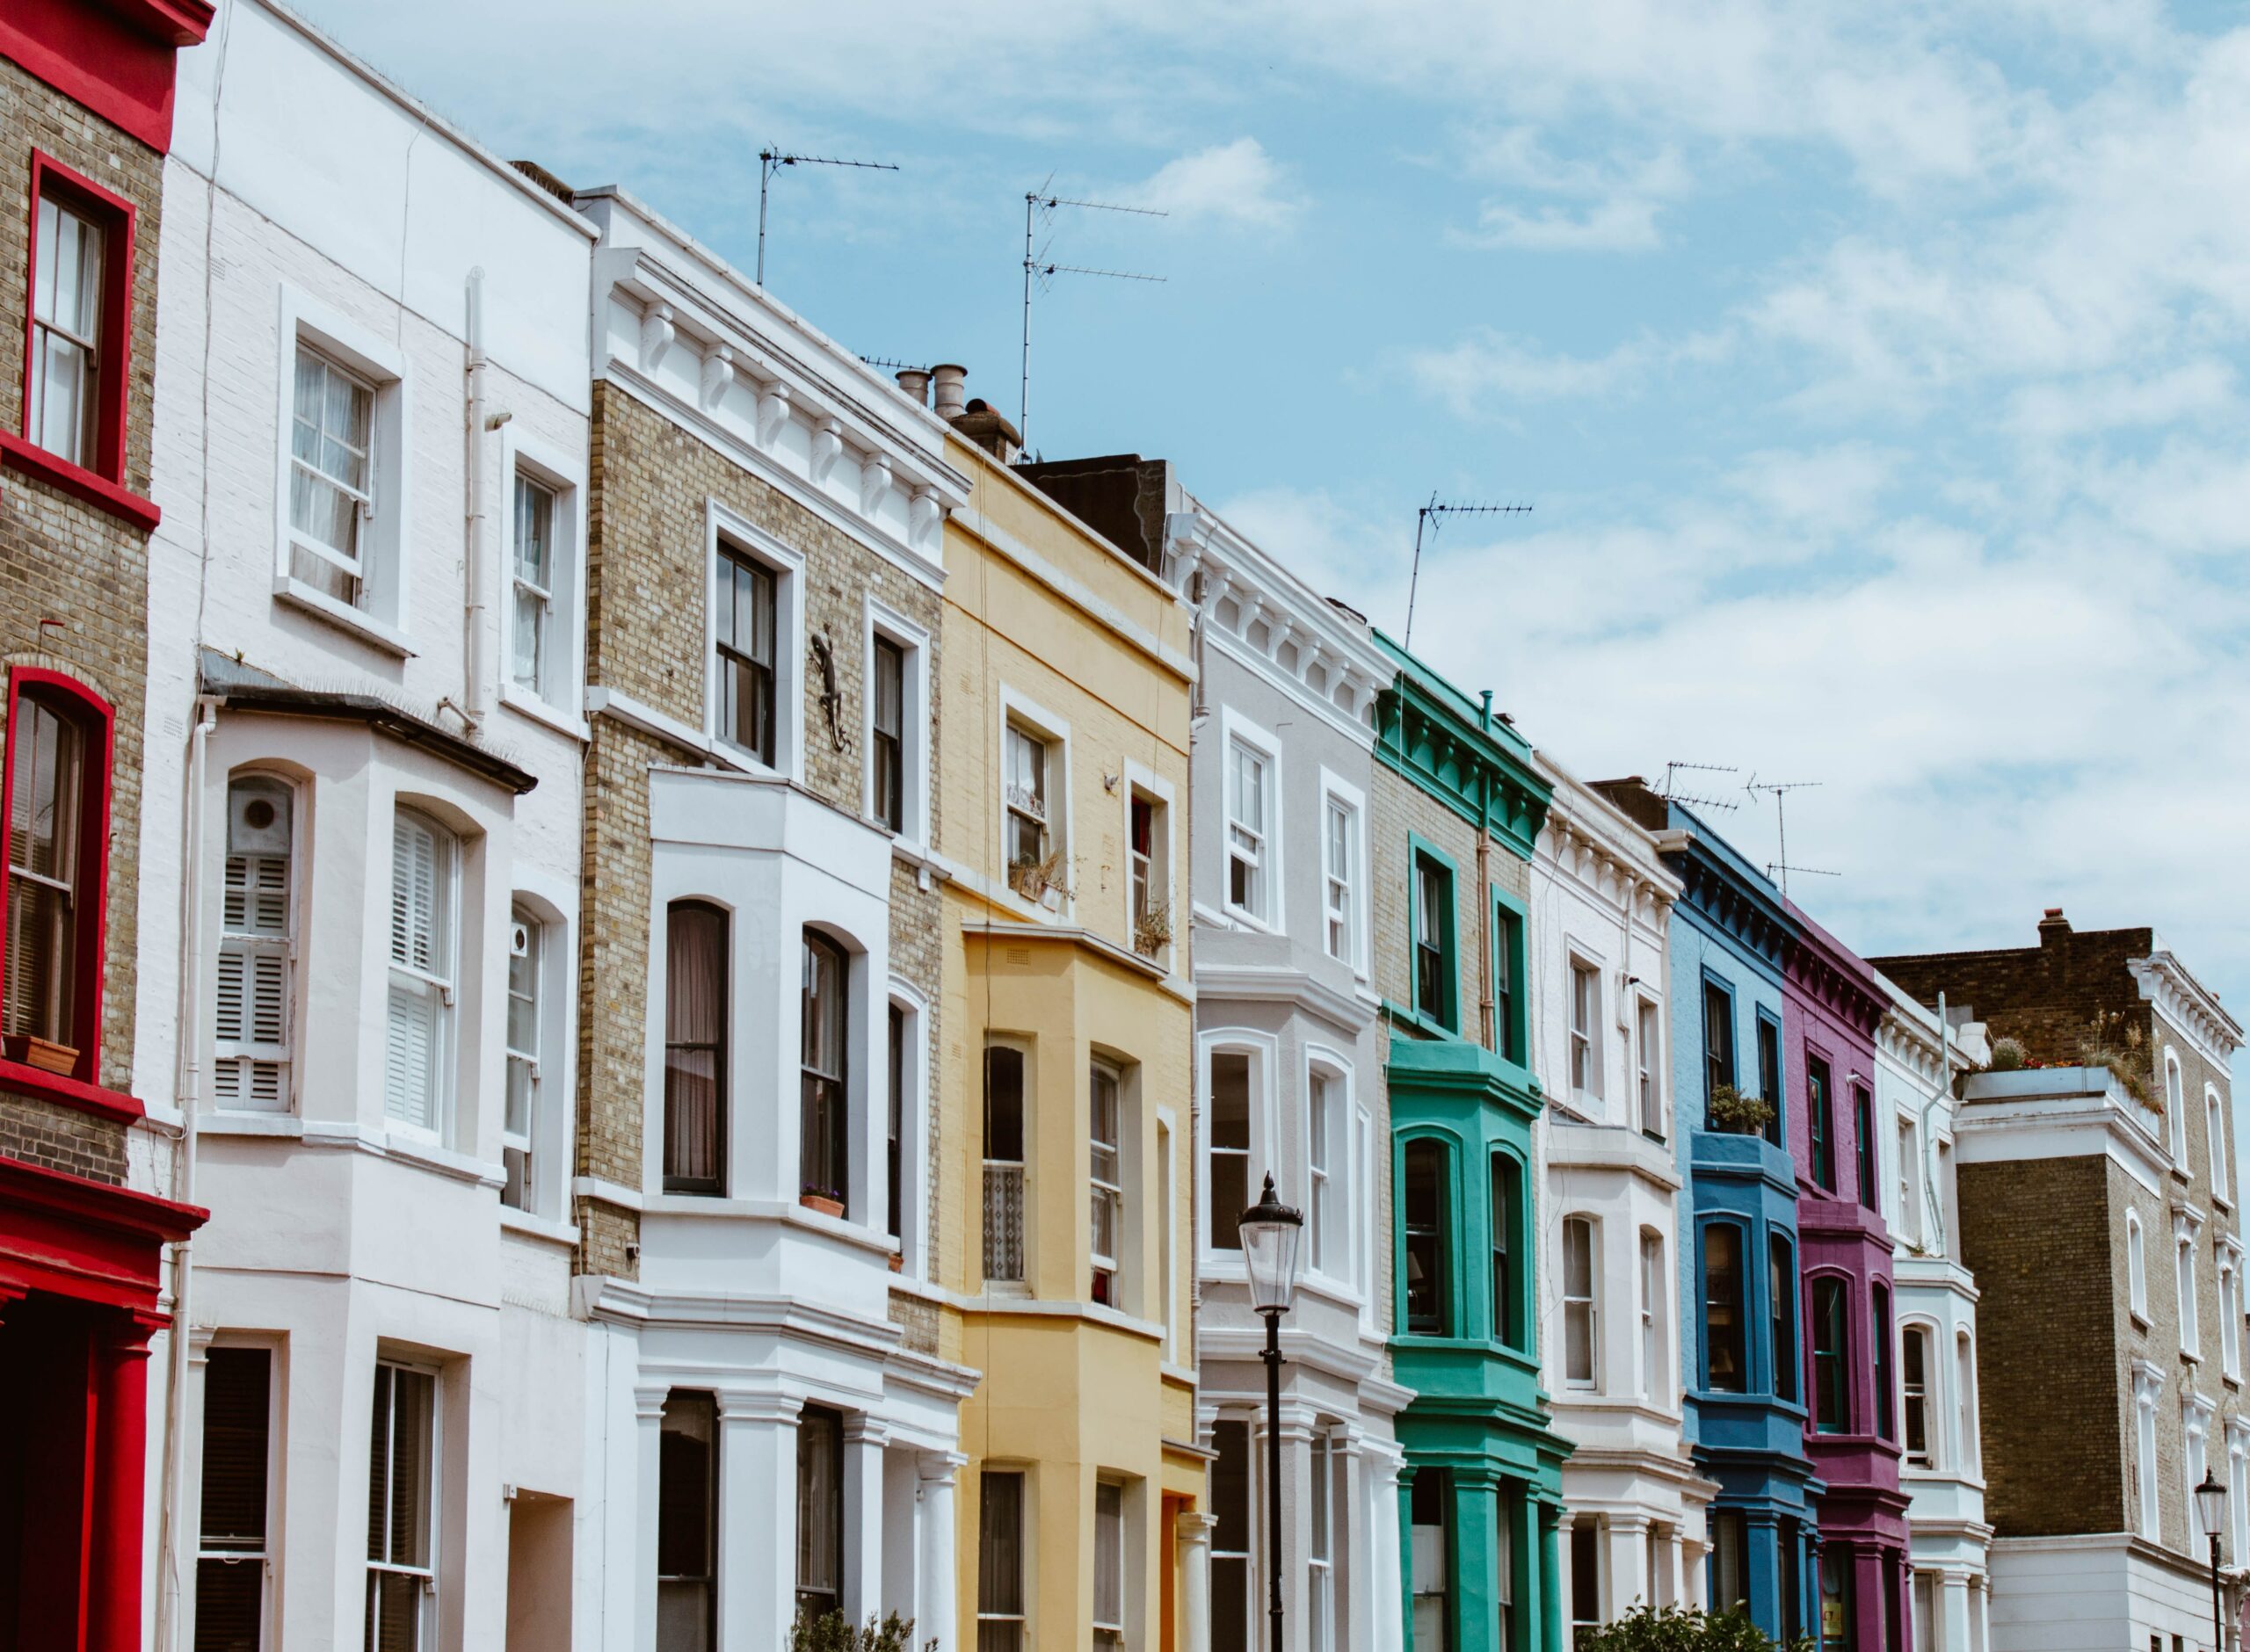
85,569
647,545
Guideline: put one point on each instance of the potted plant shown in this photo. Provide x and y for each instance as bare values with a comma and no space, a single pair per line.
1738,1112
43,1053
1152,930
1041,881
813,1198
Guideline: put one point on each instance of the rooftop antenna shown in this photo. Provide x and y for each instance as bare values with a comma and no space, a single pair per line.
1780,790
772,161
1037,267
1432,516
1671,794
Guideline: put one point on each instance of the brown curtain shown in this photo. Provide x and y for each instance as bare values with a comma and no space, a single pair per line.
695,993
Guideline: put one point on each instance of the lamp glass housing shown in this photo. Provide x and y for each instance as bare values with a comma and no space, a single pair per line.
2210,1504
1271,1232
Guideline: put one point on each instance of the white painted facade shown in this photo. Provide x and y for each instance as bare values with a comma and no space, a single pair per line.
1610,1312
751,1298
1943,1470
1287,1025
368,821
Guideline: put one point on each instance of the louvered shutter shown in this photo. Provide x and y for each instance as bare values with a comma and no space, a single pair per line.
419,992
251,1032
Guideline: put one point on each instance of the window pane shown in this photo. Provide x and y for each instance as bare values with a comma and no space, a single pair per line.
45,751
1725,1366
1230,1147
999,1550
820,1510
695,1019
1109,1556
824,1146
1426,1195
237,1397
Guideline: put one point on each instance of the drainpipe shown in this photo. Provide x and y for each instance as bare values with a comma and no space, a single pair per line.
170,1583
1484,890
480,423
1932,1195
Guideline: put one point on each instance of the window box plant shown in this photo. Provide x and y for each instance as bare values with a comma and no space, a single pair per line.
1739,1112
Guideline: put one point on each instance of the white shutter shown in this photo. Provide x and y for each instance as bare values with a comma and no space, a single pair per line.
414,895
250,1028
410,1057
421,990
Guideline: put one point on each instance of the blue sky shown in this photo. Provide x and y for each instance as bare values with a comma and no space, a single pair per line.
1875,371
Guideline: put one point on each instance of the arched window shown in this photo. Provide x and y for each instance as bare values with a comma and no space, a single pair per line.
2183,1268
255,986
1726,1361
1831,1369
423,858
527,1076
1916,1363
2230,1317
1233,1073
2215,1133
57,791
695,1048
1780,1304
1879,1328
2175,1109
1429,1311
1507,1212
2135,1265
1580,1267
823,1141
1964,1401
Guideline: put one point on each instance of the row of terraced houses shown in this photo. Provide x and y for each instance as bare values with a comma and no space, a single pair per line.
645,979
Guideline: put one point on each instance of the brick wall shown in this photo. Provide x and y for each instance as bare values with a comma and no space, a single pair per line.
67,562
647,549
2051,997
2055,1420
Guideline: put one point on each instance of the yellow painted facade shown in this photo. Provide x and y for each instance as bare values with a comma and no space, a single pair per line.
1048,626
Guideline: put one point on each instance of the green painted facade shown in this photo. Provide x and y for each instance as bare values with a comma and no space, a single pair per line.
1481,1494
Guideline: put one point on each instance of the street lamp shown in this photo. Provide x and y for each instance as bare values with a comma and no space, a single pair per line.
1270,1232
2210,1509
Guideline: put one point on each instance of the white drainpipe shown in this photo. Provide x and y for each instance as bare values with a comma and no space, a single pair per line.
474,670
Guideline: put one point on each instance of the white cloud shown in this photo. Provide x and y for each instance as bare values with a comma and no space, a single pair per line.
1233,183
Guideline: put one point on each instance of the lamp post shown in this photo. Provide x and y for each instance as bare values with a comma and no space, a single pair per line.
1270,1232
2210,1509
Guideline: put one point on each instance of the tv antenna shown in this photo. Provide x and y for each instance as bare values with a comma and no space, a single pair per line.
1432,516
1671,794
772,161
1780,790
1037,267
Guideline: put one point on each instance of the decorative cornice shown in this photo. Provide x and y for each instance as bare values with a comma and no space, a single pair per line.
1825,970
1447,744
1590,842
2182,1000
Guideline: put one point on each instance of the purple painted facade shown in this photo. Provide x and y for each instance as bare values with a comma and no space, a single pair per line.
1831,1006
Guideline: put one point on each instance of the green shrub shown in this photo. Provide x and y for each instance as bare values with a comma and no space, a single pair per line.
1682,1629
832,1632
1731,1109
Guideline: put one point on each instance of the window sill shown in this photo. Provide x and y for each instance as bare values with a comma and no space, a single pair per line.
322,606
541,1227
79,482
527,704
1247,919
68,1092
2140,1319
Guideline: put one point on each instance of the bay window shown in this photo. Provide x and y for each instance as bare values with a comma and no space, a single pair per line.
1879,1302
1106,1191
1230,1147
1654,1385
1506,1215
1428,1284
695,1048
1579,1258
820,1513
418,1048
1781,1306
1649,1084
823,1143
519,1115
1324,1248
232,1551
1004,1163
1726,1351
252,1031
1915,1368
1831,1370
1000,1561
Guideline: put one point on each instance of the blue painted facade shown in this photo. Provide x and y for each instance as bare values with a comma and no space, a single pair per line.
1741,1377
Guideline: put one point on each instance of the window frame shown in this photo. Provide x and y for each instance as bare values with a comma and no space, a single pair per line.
1831,1368
828,1094
712,1186
551,902
526,941
1653,1279
2230,1309
558,701
266,1551
1262,1053
2135,1266
1271,913
1785,1354
707,1579
727,532
840,1531
879,622
1648,1058
2175,1107
1110,1633
1044,728
1109,1272
909,1078
1916,1338
99,476
1511,967
1338,794
428,1615
387,556
446,981
1332,1222
1587,1080
1743,1304
97,727
1882,1335
1866,1151
2184,1283
1587,1305
1445,1235
1720,1066
1143,785
1446,1016
1026,1109
1505,1214
1769,1034
1019,1619
1821,1118
2215,1133
250,941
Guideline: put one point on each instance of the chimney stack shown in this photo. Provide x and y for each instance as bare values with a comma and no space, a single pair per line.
952,385
914,381
2053,927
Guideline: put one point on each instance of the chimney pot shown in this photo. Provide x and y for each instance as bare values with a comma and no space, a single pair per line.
914,381
952,384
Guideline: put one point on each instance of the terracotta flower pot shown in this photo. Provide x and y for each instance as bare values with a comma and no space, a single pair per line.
59,1059
822,1203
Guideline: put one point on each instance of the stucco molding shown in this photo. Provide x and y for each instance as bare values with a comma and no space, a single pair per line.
2183,1001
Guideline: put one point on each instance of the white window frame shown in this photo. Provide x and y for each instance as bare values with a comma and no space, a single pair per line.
1162,883
1586,1039
249,942
1340,1240
880,619
1264,1051
1925,1331
2145,1396
1970,1446
1336,793
2175,1109
552,900
1649,1097
746,539
2136,1267
1167,1234
1031,719
1026,1551
1026,1213
2197,1416
2230,1309
1115,1263
527,940
2183,1266
1238,730
1109,1633
1908,1217
264,1559
1650,1284
1321,1505
443,981
2215,1129
427,1631
914,1126
2237,1489
1590,1304
559,700
387,552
